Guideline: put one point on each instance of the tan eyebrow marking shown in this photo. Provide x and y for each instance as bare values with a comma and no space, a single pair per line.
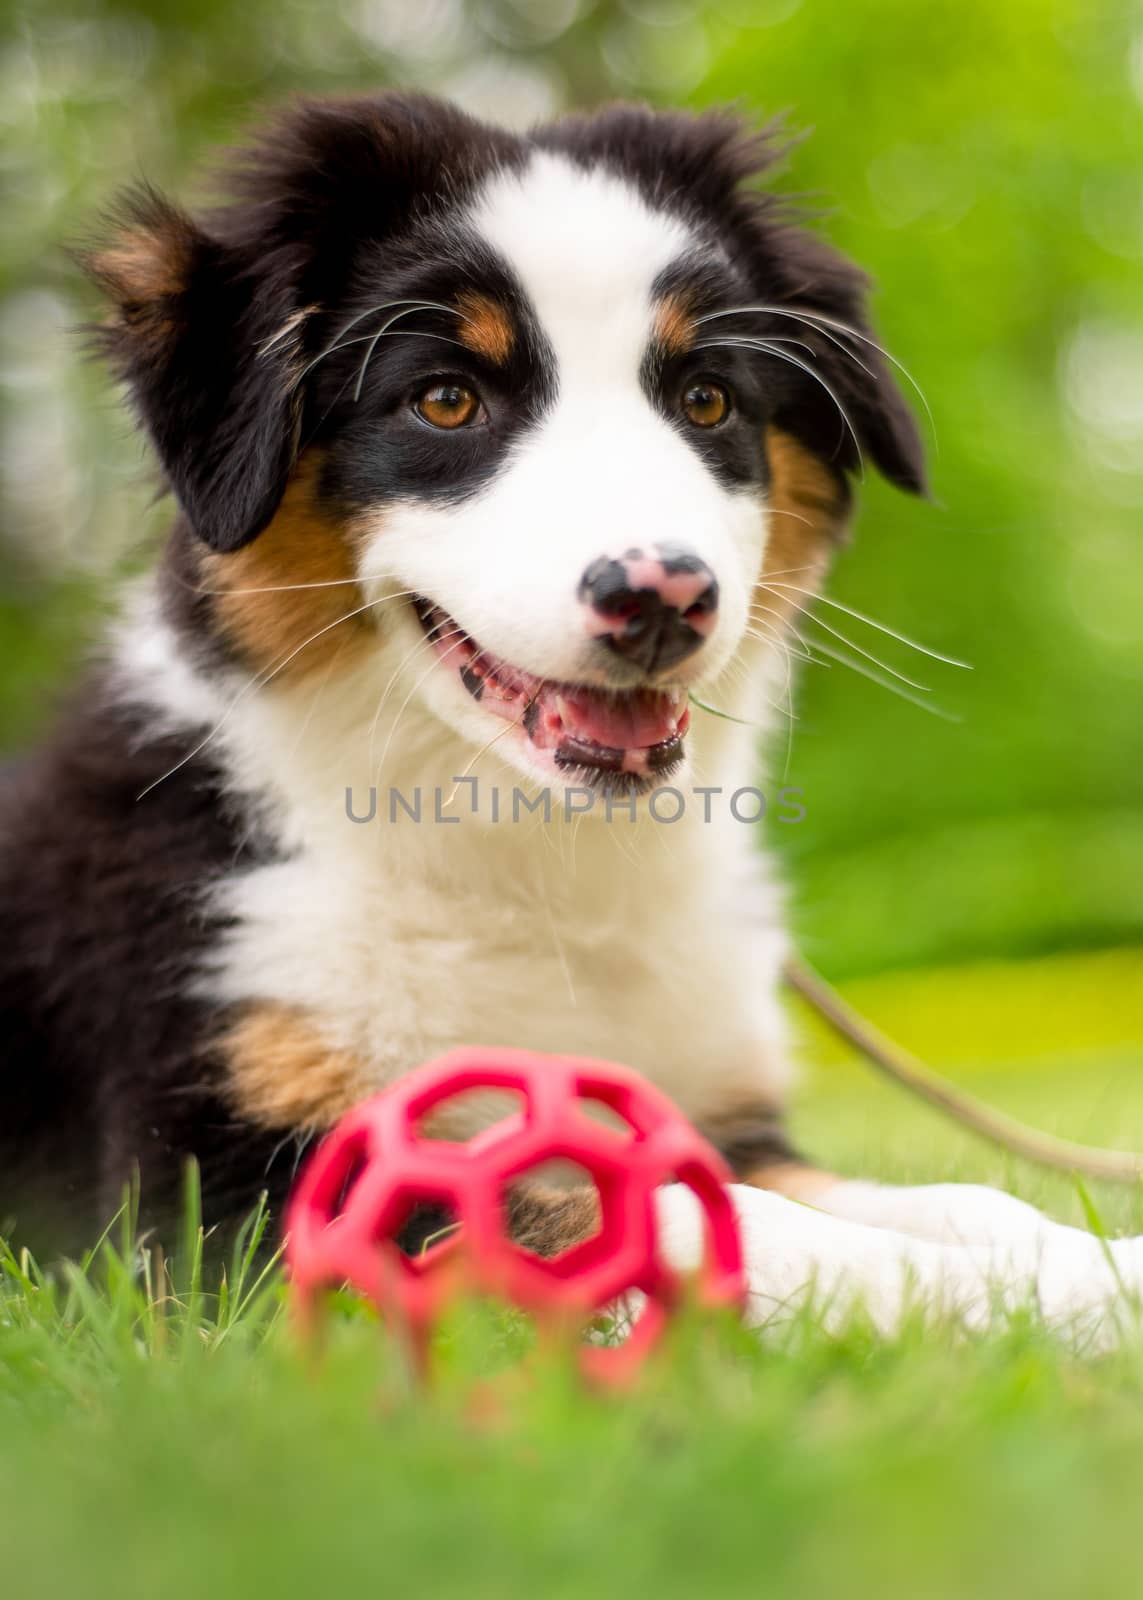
674,326
486,328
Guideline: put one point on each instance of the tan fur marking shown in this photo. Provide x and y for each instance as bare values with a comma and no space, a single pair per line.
794,1180
283,1074
807,509
144,264
485,327
674,328
548,1221
261,601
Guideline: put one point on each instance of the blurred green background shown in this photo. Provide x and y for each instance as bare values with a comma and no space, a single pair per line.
983,159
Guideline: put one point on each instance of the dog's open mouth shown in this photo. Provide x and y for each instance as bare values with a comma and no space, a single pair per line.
608,738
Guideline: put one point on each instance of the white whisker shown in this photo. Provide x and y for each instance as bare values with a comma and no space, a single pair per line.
461,638
401,333
423,643
781,511
782,572
885,683
783,622
850,644
859,616
787,710
340,342
292,588
259,682
738,311
514,722
817,319
771,636
803,366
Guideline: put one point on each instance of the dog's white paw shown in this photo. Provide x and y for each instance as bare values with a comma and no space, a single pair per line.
794,1253
1007,1256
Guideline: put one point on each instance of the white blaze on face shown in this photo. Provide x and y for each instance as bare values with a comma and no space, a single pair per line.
603,471
586,249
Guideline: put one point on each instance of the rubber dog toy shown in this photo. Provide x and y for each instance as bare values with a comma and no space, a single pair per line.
377,1167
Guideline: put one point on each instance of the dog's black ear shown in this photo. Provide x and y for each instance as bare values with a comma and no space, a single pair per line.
210,357
715,162
214,320
828,295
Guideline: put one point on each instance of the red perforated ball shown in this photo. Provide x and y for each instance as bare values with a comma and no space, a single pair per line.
368,1176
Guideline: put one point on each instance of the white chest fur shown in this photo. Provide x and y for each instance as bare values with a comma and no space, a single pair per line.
651,943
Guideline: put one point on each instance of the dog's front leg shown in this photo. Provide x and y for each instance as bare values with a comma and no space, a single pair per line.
1068,1263
797,1254
949,1236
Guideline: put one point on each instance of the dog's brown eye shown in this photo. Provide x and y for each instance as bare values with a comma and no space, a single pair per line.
448,405
706,404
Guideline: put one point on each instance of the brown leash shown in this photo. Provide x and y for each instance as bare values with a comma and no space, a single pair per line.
1112,1166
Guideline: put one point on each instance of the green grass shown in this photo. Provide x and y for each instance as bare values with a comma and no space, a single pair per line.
157,1440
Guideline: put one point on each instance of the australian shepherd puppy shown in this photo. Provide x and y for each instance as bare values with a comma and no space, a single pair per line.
501,465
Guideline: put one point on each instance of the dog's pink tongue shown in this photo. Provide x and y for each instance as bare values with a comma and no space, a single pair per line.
631,721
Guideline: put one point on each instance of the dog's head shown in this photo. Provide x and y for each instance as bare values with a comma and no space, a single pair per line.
542,411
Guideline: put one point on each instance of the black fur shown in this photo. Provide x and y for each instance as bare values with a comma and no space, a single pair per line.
344,205
221,405
218,326
103,898
377,448
700,166
213,375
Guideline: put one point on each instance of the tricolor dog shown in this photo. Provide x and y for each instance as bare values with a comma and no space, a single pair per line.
501,466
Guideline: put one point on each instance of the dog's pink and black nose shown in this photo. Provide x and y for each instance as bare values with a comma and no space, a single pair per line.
653,608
